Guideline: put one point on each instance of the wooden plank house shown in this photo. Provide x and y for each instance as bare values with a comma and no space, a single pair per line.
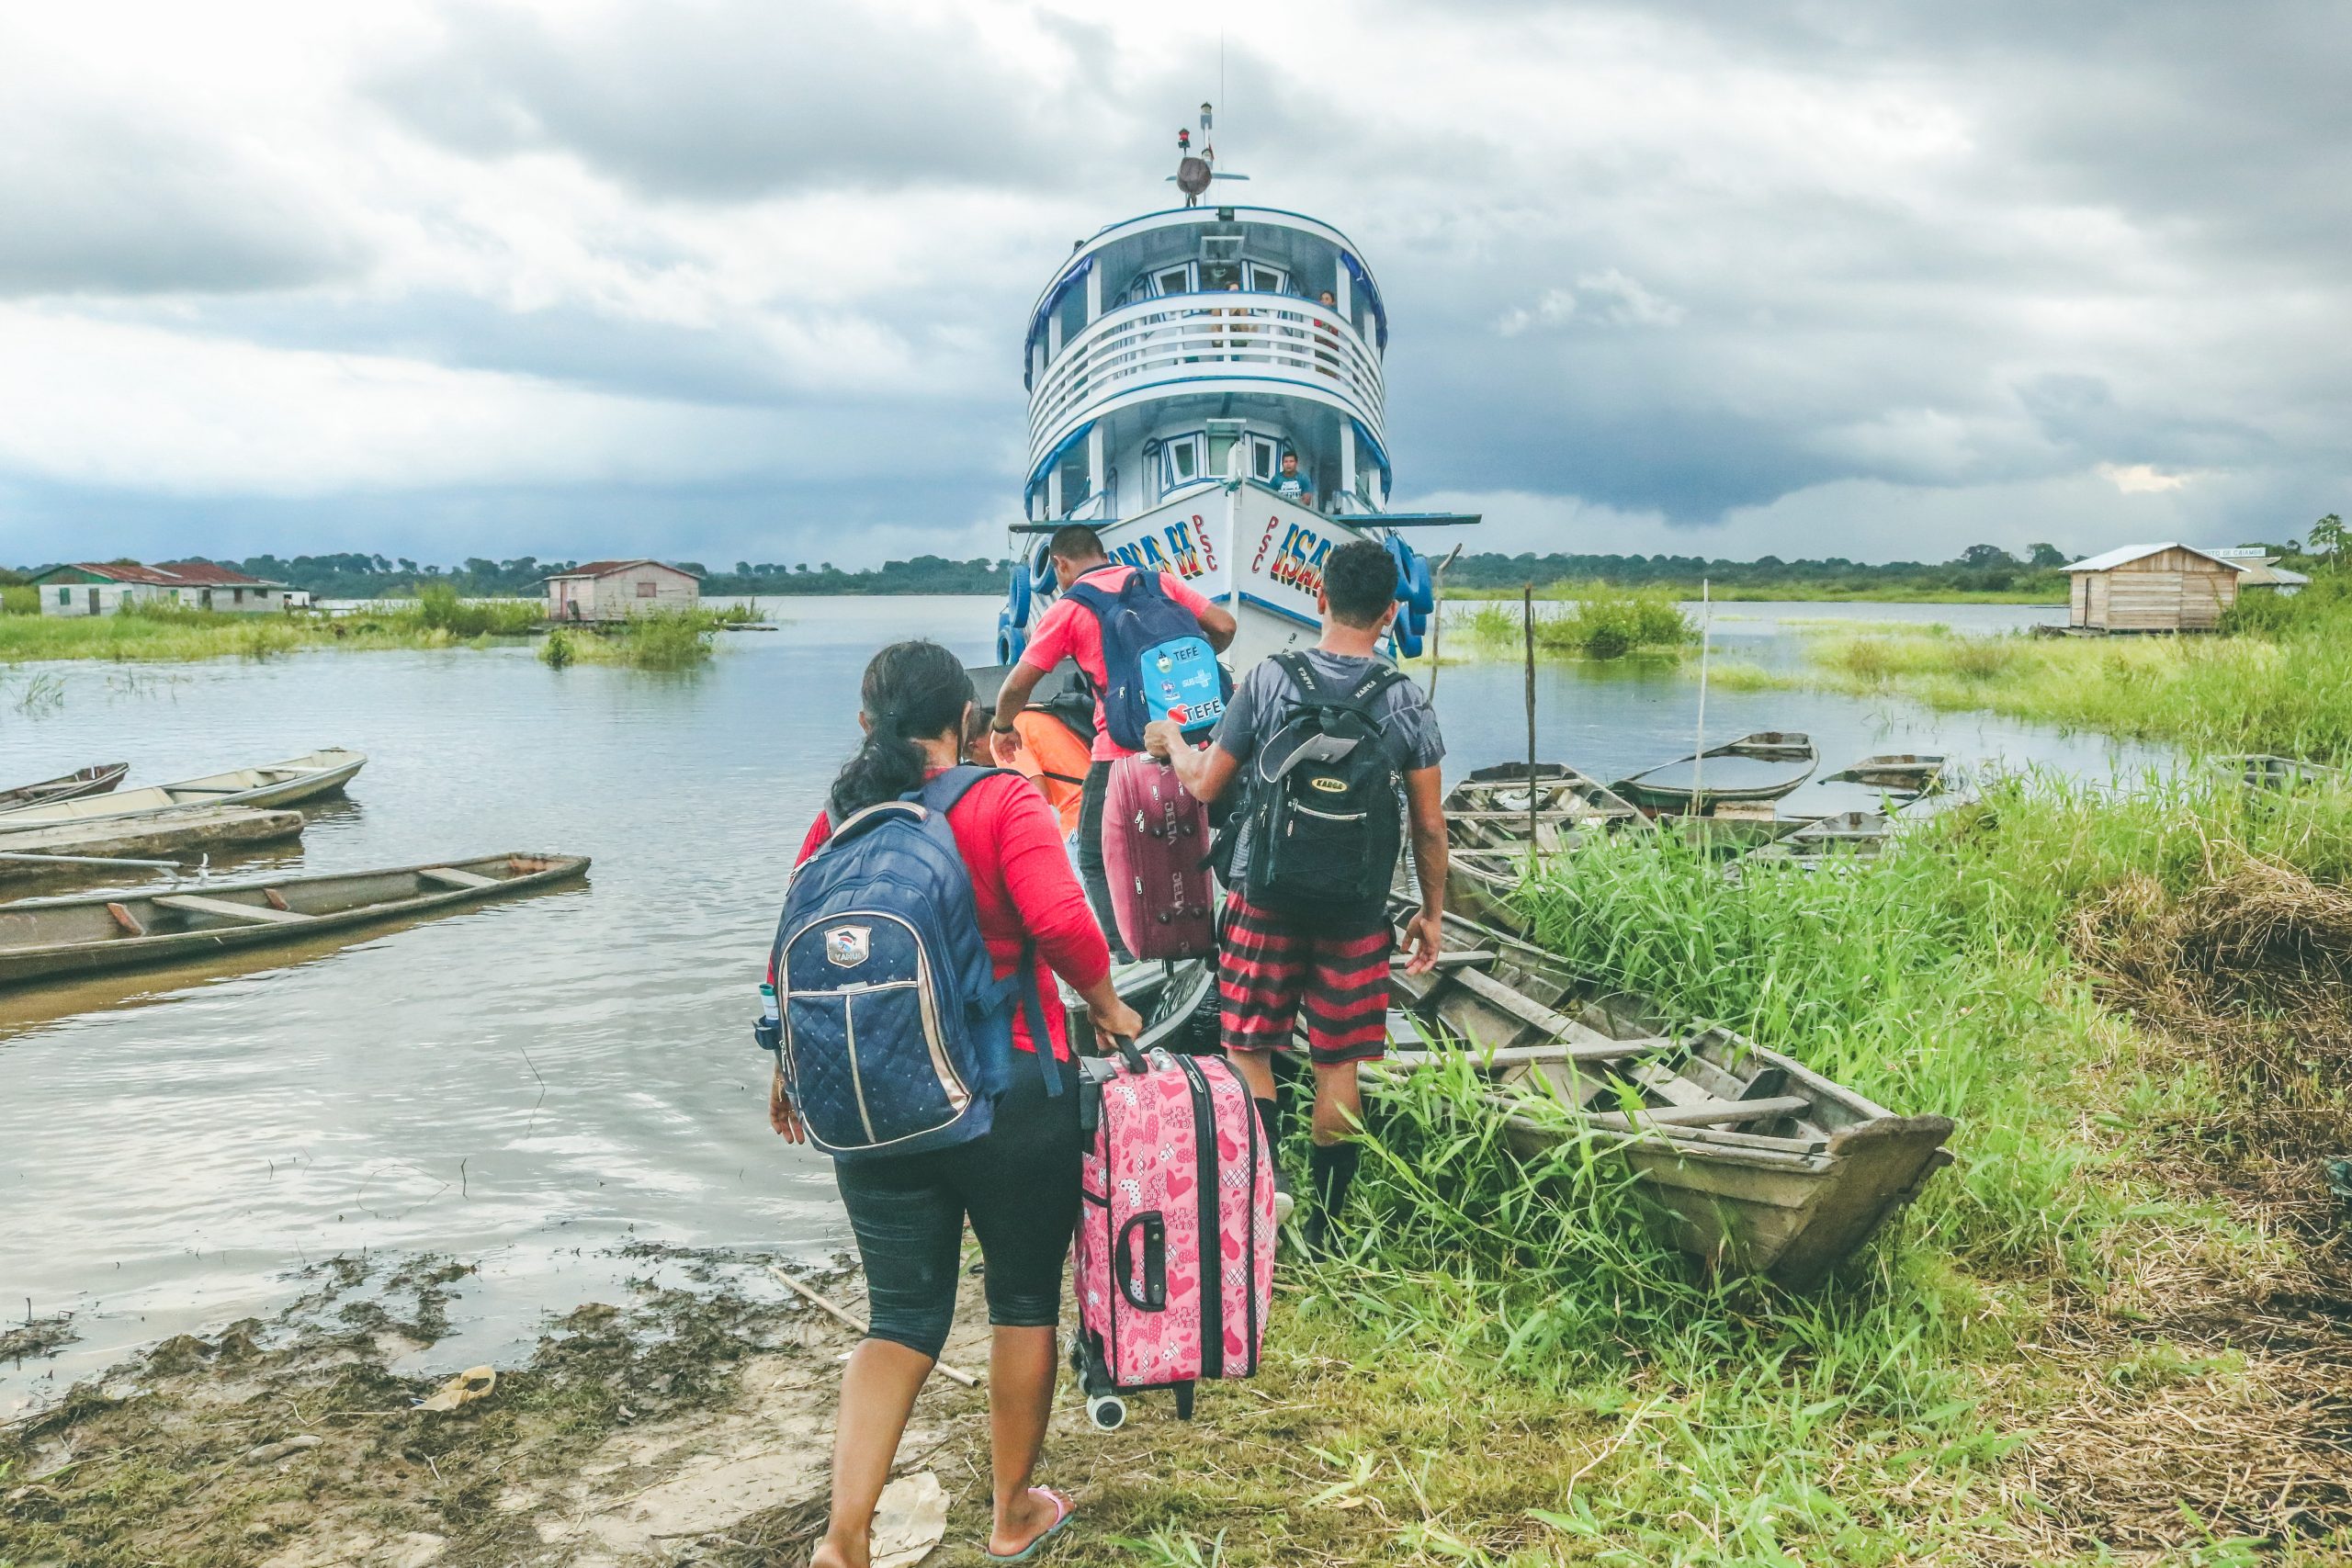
616,589
2151,588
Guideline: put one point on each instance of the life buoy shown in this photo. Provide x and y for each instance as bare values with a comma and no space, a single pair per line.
1041,570
1016,597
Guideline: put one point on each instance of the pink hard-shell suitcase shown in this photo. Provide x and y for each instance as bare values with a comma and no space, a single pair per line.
1175,1250
1154,840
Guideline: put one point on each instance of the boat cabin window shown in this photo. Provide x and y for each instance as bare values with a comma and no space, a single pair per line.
1181,460
1173,279
1265,458
1220,455
1263,279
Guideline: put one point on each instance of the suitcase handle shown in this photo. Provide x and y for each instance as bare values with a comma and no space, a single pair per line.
1155,1262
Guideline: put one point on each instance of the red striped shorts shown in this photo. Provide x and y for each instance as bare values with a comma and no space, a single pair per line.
1271,964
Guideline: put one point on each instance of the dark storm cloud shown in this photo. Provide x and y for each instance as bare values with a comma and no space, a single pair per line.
738,99
99,201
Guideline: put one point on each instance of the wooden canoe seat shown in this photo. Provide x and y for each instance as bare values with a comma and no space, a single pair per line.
450,876
194,904
1709,1113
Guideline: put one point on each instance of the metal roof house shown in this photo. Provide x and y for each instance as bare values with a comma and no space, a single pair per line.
616,589
2168,587
103,588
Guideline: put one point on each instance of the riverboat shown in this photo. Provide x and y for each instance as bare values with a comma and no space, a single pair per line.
1174,361
1740,1156
96,779
42,939
311,776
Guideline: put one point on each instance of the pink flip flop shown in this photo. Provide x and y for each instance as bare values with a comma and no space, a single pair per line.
1064,1509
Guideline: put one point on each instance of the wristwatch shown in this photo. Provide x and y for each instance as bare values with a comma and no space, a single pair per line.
996,728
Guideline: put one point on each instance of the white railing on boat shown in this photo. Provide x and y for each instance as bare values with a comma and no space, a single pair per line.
1157,346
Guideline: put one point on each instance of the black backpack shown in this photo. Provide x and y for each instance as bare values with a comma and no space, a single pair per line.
1322,822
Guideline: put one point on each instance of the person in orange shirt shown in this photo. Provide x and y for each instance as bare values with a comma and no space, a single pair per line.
1052,756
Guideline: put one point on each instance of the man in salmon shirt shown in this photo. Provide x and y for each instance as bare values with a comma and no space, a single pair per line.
1070,630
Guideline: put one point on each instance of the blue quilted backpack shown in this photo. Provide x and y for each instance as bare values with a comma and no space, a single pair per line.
897,1034
1157,663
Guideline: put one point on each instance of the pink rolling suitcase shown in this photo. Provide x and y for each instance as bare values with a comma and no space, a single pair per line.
1175,1250
1155,838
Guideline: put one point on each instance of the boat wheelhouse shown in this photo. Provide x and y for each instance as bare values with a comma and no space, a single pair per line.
1174,362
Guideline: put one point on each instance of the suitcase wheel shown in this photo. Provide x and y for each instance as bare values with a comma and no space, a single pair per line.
1107,1411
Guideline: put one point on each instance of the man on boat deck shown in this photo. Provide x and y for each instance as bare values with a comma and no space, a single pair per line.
1292,485
1070,630
1334,962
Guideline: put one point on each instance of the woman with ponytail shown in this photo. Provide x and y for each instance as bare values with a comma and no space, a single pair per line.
1018,1183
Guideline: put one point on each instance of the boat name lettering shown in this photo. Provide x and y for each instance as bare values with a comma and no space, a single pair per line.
1258,562
1208,545
1143,555
1185,550
1299,562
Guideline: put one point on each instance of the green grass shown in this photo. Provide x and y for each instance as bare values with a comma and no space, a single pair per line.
2290,694
439,618
664,639
1600,622
1507,1372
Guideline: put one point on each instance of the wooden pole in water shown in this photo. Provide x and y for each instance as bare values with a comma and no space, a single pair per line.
1527,619
1437,617
1699,752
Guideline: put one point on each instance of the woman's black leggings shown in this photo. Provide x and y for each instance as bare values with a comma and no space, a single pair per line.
1019,1184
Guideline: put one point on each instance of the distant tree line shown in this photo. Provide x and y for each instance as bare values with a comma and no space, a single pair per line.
1978,568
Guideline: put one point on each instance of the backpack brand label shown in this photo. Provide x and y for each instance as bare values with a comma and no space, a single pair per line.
846,947
1328,785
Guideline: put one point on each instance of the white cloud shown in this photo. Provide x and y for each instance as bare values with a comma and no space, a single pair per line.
2140,479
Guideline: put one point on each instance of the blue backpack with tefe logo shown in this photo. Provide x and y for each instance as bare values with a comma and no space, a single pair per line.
1156,663
897,1036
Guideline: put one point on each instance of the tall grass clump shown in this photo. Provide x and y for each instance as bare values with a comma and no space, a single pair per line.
659,639
1597,621
439,609
19,599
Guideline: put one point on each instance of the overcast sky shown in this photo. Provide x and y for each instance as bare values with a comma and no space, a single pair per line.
734,278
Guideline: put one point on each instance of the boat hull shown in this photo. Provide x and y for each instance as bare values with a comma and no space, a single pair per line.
47,939
164,833
1245,549
316,776
1789,1198
94,780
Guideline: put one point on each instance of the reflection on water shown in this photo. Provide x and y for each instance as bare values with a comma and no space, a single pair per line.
525,1082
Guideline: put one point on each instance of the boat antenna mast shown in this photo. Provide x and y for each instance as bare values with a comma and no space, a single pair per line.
1195,170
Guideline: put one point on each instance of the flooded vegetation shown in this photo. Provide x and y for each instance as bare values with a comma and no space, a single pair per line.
2279,679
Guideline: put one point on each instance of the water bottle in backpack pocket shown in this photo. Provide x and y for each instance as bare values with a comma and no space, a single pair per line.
1157,662
897,1034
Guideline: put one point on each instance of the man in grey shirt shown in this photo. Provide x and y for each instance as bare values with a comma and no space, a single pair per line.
1334,965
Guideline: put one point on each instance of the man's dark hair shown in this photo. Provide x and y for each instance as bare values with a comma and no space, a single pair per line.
1359,583
1075,542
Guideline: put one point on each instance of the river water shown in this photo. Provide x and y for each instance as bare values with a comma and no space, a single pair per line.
537,1085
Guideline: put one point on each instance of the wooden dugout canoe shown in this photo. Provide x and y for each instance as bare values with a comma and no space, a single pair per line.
2261,771
46,938
96,779
164,834
1788,756
1894,773
1741,1156
311,776
1486,828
